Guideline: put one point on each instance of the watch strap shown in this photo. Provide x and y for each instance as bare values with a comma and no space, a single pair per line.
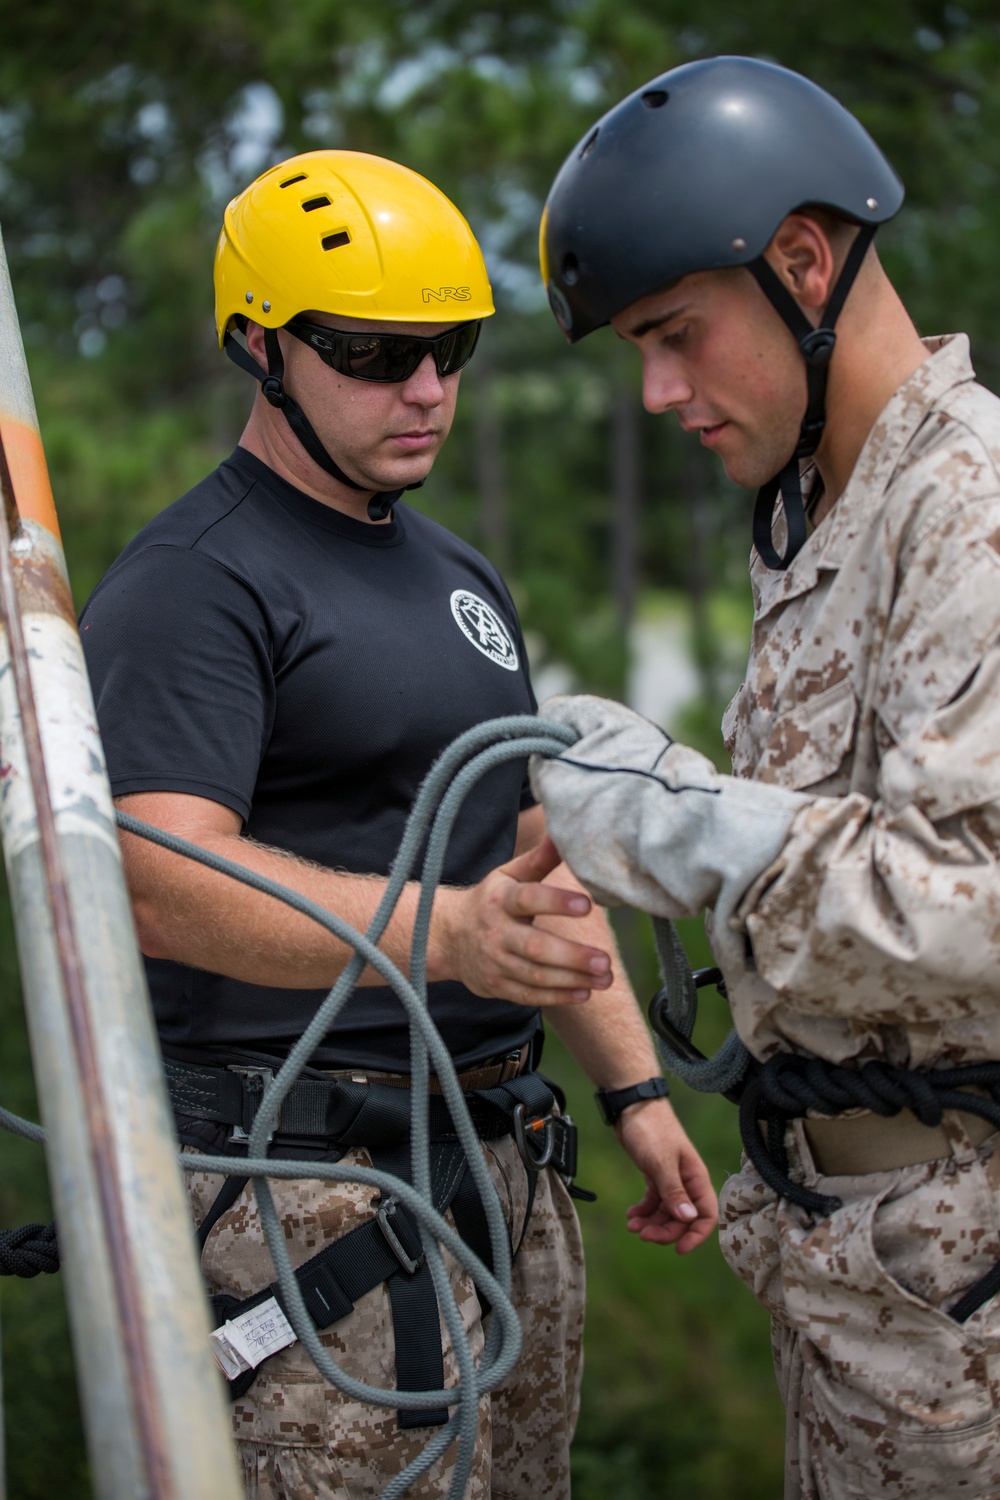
611,1102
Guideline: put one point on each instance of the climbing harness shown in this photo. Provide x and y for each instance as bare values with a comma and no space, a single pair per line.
411,1229
789,1086
336,1114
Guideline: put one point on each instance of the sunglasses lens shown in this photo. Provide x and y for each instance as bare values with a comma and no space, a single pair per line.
389,357
454,349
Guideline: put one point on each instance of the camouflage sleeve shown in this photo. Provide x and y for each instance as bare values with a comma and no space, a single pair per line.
888,907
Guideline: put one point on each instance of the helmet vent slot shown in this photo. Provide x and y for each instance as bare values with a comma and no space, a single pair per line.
289,180
311,204
334,241
655,98
589,144
570,269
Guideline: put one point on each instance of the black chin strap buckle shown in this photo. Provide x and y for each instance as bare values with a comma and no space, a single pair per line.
273,391
818,346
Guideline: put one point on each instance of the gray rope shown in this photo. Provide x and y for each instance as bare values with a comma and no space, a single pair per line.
437,805
718,1074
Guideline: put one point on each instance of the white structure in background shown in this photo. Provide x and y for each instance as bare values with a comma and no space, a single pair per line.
663,678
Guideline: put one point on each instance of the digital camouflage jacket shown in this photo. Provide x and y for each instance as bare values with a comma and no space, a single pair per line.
873,687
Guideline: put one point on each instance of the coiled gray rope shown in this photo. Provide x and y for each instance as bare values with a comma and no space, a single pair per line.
437,805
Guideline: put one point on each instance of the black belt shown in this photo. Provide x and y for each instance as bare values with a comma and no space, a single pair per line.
341,1110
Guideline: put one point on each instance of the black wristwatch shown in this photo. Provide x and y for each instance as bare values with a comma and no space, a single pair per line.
611,1102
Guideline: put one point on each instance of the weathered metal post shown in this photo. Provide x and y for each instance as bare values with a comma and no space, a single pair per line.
153,1406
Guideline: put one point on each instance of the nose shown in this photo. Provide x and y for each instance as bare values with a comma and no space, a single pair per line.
664,385
424,387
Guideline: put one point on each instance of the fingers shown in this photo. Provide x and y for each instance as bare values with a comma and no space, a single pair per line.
536,863
662,1229
679,1207
529,900
538,968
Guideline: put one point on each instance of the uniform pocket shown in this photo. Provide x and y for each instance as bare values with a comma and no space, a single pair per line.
897,1395
807,743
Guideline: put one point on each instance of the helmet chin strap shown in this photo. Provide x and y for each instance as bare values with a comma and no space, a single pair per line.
272,386
817,346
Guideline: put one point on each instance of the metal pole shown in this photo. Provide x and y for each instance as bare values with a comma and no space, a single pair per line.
152,1402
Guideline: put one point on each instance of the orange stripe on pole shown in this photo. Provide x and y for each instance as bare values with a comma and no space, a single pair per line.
29,473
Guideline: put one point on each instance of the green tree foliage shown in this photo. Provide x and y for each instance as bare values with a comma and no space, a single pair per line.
124,129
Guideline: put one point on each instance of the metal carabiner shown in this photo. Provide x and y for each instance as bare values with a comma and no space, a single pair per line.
522,1129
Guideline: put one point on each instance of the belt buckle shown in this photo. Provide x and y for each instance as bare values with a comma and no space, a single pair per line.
263,1077
386,1212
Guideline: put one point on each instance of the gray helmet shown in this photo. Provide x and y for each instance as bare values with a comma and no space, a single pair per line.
694,172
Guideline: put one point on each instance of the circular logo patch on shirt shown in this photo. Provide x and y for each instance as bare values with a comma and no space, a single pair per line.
482,625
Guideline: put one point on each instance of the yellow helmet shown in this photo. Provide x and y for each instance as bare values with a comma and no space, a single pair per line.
342,232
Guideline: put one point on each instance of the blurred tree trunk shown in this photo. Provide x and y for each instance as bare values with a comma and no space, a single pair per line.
625,480
491,479
697,499
625,497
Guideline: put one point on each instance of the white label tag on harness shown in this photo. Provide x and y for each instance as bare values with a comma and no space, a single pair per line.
247,1340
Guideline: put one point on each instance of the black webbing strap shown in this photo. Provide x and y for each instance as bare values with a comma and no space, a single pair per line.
227,1195
415,1319
817,346
340,1110
388,1247
273,387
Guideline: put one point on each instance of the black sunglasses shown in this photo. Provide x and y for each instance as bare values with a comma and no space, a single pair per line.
387,356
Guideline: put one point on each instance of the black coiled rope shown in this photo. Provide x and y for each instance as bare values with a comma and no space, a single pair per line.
787,1087
29,1251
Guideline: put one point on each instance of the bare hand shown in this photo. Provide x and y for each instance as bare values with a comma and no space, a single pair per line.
680,1206
487,937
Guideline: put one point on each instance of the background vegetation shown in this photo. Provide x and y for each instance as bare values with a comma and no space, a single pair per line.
124,128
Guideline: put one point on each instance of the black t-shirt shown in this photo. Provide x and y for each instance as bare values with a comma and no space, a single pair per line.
257,648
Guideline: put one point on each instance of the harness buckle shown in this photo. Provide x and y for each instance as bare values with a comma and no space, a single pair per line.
255,1082
389,1210
523,1127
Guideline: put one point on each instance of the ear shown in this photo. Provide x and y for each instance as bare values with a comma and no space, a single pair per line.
255,341
801,255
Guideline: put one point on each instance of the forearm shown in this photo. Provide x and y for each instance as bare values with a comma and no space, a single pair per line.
482,935
193,915
608,1036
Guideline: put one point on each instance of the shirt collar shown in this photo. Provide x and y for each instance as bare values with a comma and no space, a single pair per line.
948,364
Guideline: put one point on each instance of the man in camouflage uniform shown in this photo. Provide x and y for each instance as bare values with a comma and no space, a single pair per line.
849,865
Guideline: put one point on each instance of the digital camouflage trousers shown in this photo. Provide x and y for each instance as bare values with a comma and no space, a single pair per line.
300,1439
885,1395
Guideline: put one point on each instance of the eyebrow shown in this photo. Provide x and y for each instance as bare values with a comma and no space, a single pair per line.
641,329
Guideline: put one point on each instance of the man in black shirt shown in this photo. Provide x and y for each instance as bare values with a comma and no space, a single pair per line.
277,660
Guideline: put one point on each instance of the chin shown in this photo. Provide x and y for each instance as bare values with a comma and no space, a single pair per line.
404,474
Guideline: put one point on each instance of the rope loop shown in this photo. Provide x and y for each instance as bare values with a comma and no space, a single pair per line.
30,1250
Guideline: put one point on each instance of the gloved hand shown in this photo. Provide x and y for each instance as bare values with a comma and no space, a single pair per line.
645,822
